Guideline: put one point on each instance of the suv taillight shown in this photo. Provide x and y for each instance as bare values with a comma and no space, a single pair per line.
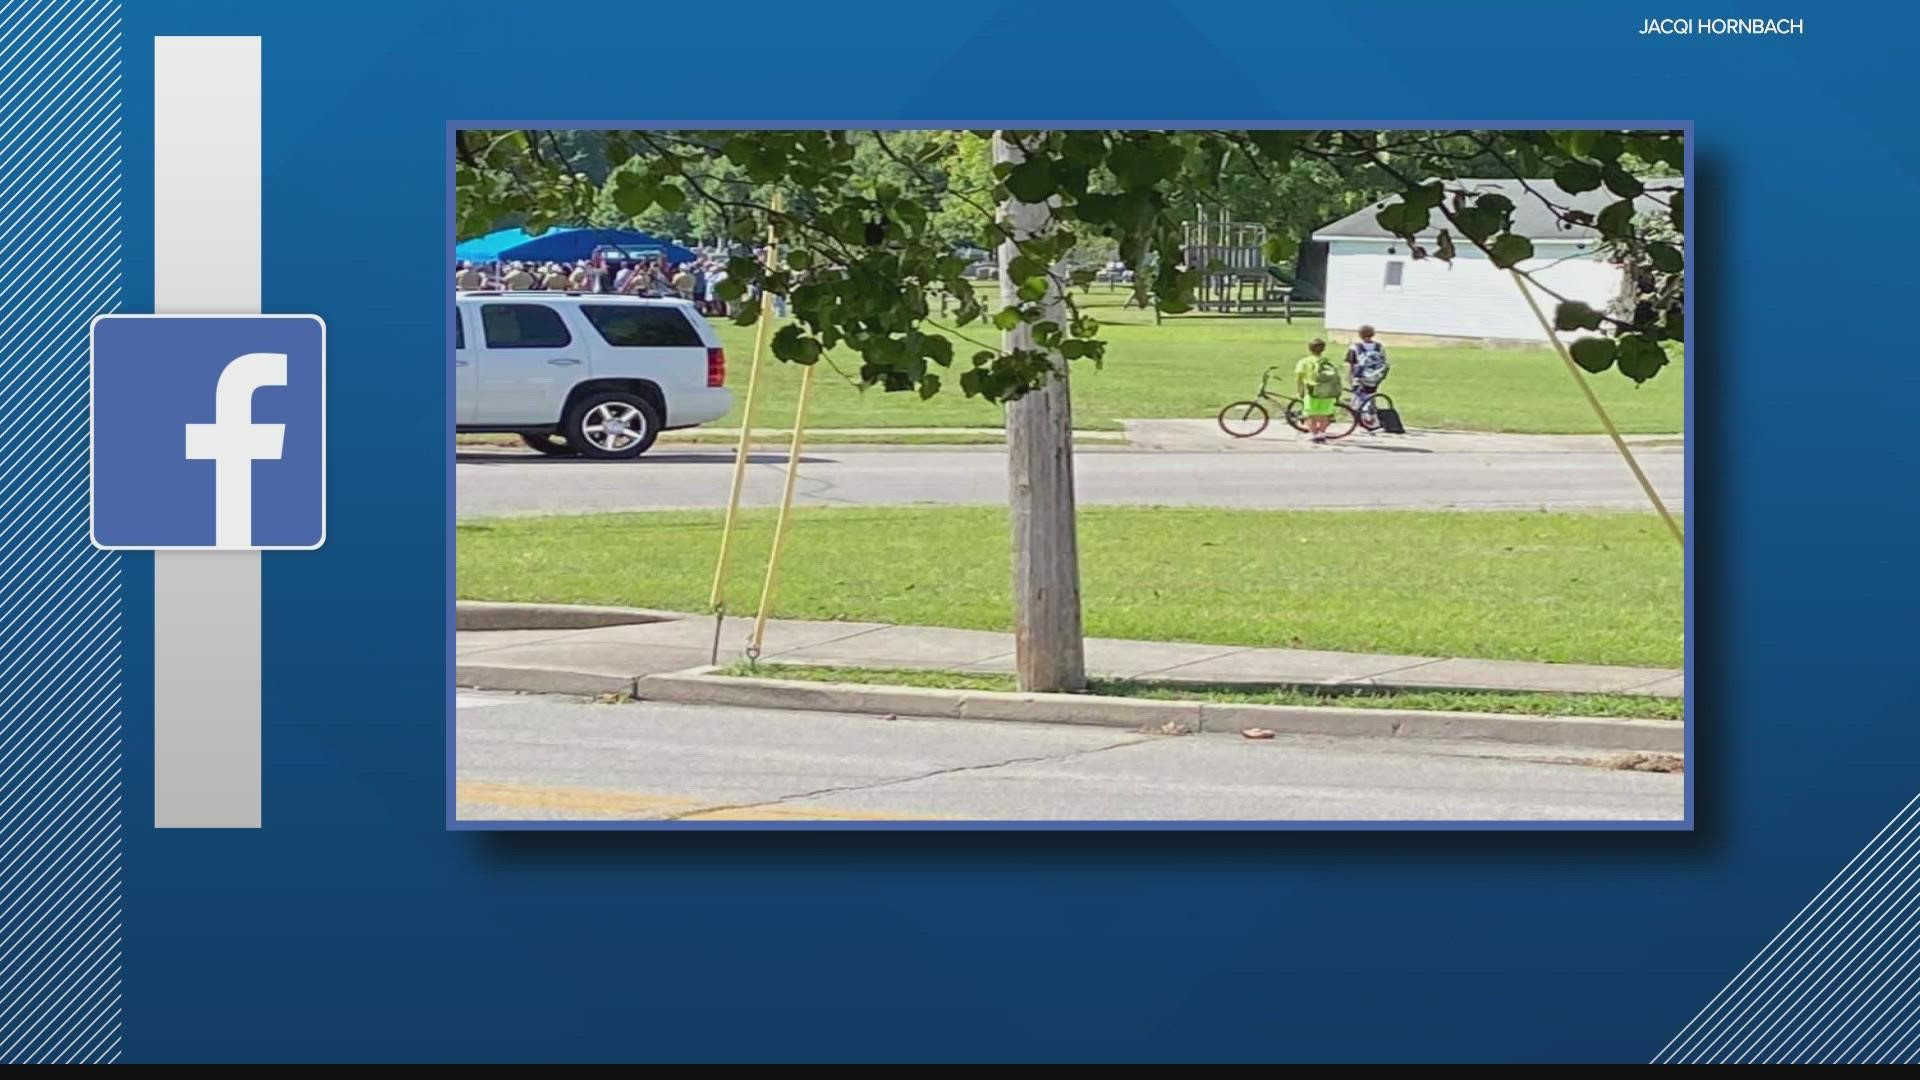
716,367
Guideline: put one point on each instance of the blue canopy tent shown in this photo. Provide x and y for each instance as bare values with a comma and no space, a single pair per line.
566,245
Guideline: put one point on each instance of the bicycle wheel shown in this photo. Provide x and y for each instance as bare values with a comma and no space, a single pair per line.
1244,419
1344,419
1296,419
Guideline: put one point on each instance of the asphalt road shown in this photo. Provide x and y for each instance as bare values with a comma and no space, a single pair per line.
545,758
1480,473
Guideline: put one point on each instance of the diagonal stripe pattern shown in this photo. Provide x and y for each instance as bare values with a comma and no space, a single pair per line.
60,817
1840,983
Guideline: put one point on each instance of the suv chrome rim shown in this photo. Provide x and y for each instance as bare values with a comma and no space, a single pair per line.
613,425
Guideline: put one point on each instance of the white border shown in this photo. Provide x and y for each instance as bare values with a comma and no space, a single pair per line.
91,418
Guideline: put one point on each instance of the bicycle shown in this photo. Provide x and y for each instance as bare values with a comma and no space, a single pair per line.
1245,419
1366,408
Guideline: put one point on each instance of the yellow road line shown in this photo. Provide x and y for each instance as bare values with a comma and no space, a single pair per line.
595,802
790,812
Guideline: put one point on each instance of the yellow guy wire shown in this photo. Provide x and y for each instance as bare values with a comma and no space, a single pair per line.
1606,421
717,598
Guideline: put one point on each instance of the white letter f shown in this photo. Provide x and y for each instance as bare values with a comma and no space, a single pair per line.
234,442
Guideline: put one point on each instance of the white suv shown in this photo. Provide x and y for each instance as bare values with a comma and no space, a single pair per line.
584,373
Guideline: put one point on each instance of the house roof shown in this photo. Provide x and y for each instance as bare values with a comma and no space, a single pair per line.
1531,218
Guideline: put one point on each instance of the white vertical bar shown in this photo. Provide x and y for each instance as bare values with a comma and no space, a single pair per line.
206,175
206,261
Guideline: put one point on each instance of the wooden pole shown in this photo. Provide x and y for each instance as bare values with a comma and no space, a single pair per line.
717,596
1049,649
780,526
1606,421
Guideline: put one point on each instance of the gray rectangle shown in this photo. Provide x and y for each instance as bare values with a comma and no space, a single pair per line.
206,689
206,175
206,261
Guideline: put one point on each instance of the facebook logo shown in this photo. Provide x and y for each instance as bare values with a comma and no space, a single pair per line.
209,431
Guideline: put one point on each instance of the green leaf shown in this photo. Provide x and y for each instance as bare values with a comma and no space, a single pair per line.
1034,289
632,195
1497,203
1510,250
1280,247
670,197
1616,220
1402,219
1025,266
1575,177
1641,358
1277,147
1477,223
1574,315
1007,318
929,385
1679,215
799,260
1443,246
792,345
1579,143
1425,197
1594,354
1142,162
1622,183
1666,258
1032,181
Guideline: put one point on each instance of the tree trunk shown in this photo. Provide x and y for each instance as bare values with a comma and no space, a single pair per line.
1050,652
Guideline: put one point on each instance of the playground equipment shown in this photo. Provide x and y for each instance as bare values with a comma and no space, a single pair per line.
1235,275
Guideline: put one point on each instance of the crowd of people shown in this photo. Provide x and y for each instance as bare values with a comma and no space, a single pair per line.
697,281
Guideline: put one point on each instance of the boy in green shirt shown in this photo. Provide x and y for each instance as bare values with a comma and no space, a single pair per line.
1317,378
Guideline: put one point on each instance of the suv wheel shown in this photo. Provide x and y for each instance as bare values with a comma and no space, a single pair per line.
612,426
547,442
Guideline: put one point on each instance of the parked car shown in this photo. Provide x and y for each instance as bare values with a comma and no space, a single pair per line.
584,373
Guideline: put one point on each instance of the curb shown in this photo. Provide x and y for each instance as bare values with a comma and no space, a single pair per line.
698,686
1384,681
539,680
492,615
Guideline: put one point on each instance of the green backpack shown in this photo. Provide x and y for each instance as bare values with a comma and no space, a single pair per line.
1326,379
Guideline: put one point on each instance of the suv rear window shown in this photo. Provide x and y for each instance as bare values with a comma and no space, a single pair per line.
523,326
639,326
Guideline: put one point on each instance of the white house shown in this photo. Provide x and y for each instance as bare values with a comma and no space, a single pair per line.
1372,278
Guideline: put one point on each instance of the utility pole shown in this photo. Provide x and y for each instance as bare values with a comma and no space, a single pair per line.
1050,650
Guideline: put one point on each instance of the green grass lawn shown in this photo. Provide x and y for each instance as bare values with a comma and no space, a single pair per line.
1601,588
1191,365
1348,697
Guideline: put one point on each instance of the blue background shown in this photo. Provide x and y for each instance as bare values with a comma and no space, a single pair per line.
151,378
355,926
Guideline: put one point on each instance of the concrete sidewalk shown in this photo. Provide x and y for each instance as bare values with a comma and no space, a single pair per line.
608,659
1195,436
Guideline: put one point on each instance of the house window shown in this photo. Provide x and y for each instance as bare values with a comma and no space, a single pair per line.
1394,269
